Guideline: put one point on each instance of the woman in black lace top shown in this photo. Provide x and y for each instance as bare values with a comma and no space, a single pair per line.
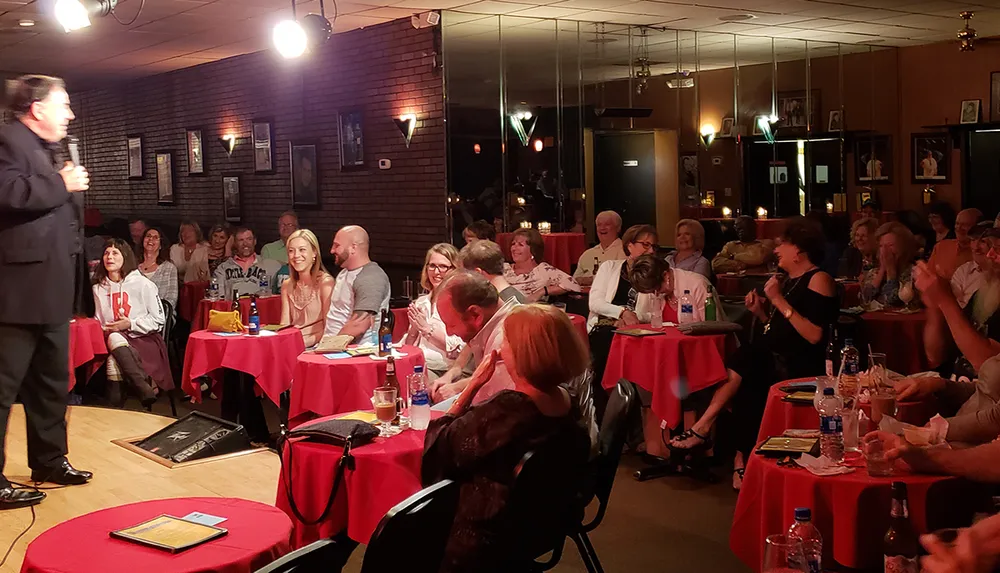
480,446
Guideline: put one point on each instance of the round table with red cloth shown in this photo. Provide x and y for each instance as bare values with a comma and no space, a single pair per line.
269,357
851,510
671,366
386,472
268,307
258,534
325,386
900,337
189,297
562,250
86,346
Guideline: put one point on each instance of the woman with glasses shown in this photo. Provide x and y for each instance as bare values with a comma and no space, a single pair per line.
426,331
527,273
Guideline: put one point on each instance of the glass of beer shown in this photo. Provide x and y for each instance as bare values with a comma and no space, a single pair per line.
883,404
385,408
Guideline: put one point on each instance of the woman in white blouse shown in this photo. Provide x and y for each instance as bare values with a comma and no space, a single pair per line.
427,331
190,254
531,276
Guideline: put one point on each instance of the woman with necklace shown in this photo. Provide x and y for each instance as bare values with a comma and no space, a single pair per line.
190,254
219,247
156,267
527,273
306,293
796,317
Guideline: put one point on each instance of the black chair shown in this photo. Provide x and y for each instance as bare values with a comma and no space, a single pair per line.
166,333
314,557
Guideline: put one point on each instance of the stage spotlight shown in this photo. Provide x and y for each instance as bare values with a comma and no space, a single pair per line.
75,14
293,38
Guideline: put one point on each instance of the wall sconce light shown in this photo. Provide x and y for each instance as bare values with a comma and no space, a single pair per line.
228,142
829,207
293,37
761,213
476,149
520,201
764,123
727,212
544,227
707,134
525,224
523,123
407,124
539,145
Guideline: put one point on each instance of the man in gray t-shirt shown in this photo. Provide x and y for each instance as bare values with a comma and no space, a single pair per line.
362,289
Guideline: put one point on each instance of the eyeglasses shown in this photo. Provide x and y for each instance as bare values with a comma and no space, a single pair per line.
645,244
439,268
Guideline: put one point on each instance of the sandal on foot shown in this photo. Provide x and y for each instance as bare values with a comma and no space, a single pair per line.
738,478
705,442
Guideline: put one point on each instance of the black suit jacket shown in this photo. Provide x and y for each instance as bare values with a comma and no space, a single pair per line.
40,231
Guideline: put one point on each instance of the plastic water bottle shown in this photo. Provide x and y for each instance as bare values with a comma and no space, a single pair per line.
850,370
831,426
809,536
265,285
686,312
420,402
213,289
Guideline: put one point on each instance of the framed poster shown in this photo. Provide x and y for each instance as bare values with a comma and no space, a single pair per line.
263,147
873,159
792,108
970,111
352,154
995,96
164,177
836,121
195,152
305,190
134,143
728,127
930,153
231,198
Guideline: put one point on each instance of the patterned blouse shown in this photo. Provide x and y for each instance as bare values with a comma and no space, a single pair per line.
543,275
165,279
888,294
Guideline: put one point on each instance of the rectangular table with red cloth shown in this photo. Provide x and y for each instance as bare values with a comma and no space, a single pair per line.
268,307
671,366
386,472
269,357
900,337
258,534
562,250
851,510
86,346
324,386
189,297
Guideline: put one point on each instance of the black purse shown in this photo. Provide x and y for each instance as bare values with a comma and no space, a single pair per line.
346,434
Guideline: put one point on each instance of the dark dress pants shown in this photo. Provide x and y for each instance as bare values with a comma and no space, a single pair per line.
34,362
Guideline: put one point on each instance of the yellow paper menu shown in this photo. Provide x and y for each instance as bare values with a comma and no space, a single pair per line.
170,533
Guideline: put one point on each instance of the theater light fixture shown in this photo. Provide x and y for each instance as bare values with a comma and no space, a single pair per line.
294,37
764,123
523,123
727,212
406,123
476,149
539,145
228,142
707,134
75,14
761,213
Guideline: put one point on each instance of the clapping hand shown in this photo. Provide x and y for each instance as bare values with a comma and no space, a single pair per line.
933,289
754,303
772,288
484,372
417,318
887,259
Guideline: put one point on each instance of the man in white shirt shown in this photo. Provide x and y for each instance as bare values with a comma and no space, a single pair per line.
362,289
608,248
288,223
970,276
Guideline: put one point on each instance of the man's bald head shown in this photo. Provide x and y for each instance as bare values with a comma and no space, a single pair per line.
966,219
350,247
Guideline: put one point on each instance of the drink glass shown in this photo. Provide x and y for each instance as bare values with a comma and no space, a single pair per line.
849,417
877,368
656,321
783,555
385,409
875,460
883,404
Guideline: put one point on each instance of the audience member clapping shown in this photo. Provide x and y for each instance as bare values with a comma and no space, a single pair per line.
897,249
949,254
306,293
426,331
528,273
861,256
156,266
968,278
190,254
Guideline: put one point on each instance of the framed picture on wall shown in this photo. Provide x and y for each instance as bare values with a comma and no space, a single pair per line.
970,111
305,188
793,108
263,147
728,127
352,153
689,178
873,159
836,122
231,198
995,96
930,153
195,152
134,144
164,177
756,125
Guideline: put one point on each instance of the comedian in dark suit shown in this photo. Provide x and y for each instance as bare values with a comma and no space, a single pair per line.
39,237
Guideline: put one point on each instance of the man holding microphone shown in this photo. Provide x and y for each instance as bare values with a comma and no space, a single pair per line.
40,238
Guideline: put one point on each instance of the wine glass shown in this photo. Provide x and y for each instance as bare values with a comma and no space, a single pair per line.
906,292
783,555
385,408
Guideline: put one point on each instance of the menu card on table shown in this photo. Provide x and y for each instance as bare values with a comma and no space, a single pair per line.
169,533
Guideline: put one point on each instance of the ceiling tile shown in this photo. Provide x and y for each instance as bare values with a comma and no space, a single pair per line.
548,12
493,7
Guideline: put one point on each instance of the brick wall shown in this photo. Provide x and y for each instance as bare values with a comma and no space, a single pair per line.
384,70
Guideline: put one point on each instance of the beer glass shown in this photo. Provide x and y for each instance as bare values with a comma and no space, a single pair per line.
384,401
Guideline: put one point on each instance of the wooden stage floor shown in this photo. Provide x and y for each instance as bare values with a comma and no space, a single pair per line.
121,476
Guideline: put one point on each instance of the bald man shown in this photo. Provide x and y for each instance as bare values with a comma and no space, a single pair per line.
950,254
362,289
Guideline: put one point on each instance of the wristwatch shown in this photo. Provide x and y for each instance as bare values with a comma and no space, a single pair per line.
788,313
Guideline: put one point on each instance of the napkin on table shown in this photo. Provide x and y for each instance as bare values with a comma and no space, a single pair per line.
822,466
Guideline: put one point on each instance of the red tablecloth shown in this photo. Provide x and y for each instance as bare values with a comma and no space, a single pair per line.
670,366
401,323
268,307
258,534
86,346
324,387
580,322
852,294
386,472
190,295
562,250
766,228
739,285
850,510
268,357
900,337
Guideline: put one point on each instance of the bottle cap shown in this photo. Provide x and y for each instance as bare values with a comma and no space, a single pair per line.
418,369
828,391
687,291
803,514
848,342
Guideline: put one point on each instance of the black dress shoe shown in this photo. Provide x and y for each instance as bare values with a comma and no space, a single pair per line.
11,498
62,475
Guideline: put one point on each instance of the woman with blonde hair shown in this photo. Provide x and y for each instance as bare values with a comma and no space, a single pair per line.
690,241
479,446
426,330
897,249
861,256
306,293
190,254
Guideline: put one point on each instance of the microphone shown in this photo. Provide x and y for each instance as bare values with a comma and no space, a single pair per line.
73,145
